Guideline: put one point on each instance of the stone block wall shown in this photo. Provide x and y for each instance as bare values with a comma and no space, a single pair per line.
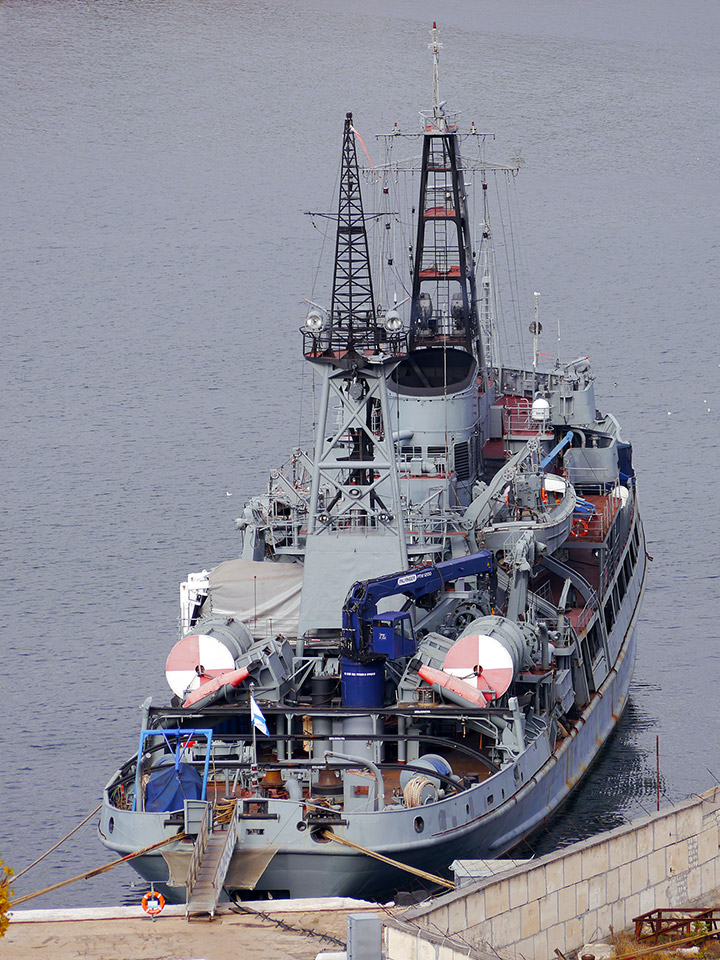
573,896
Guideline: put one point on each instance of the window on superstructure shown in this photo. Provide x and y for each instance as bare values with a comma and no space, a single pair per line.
438,456
595,640
609,614
628,566
410,453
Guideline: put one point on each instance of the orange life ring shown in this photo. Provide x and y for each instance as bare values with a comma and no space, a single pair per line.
153,903
579,528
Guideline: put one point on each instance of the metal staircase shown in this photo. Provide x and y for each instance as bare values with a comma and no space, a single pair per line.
209,866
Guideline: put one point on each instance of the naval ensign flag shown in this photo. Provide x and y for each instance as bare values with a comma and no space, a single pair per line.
256,715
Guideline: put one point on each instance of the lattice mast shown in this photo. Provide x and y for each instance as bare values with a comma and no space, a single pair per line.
352,309
443,296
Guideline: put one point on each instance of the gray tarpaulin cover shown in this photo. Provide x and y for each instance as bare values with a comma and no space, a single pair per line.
251,591
333,562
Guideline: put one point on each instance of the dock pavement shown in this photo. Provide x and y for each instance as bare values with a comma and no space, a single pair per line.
290,930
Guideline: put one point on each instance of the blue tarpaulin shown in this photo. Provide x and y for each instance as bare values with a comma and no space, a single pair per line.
170,786
183,781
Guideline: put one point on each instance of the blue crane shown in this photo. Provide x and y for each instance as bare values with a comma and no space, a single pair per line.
368,635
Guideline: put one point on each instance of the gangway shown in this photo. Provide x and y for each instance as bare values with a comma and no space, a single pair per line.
209,864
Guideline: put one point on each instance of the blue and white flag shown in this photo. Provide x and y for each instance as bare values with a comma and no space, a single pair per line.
256,715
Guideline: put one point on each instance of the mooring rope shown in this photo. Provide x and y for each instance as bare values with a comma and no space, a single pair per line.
393,863
82,822
98,870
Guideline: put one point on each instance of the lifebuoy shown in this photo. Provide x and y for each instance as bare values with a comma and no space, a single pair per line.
153,903
579,528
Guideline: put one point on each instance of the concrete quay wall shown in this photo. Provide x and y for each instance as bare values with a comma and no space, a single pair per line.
573,896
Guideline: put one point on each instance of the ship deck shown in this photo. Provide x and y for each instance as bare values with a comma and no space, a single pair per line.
221,785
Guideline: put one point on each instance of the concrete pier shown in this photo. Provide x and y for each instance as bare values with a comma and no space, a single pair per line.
567,898
286,929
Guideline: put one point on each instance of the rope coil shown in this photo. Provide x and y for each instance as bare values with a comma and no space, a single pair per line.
419,791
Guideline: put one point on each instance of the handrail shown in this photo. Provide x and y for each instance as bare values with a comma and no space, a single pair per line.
198,851
228,850
586,614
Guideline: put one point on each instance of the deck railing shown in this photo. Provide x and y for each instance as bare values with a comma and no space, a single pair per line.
613,555
601,521
582,620
518,421
267,628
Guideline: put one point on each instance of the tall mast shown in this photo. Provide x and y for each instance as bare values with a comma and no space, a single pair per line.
488,330
444,308
437,106
352,310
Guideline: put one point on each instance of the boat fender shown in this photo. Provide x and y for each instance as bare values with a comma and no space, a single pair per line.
153,903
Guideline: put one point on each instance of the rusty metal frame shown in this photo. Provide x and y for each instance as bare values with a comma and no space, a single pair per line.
668,922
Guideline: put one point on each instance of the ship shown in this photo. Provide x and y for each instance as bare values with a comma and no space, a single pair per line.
430,631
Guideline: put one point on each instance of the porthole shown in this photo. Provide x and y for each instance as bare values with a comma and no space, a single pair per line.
111,824
301,825
419,824
318,834
467,808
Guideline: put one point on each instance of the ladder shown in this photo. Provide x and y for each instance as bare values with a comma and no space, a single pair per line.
209,866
